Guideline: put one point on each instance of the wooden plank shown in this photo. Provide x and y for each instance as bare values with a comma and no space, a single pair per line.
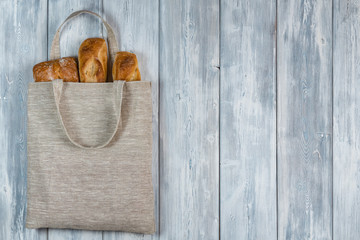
189,119
304,119
74,33
136,24
22,44
248,120
346,120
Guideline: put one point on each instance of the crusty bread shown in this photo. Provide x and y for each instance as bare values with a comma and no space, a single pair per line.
63,68
93,60
126,67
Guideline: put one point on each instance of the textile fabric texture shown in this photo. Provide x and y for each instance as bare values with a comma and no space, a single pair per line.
107,188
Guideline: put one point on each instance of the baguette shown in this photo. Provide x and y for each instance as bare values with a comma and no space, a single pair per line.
63,68
125,67
93,60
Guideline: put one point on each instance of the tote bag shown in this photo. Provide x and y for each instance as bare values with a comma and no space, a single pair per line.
90,153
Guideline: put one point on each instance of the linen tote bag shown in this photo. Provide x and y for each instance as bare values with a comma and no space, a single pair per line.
90,153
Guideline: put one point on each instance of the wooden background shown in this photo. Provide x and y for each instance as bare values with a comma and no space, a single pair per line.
256,113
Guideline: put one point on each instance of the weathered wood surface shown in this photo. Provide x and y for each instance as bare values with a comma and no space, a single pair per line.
232,89
136,24
248,120
74,32
189,119
346,120
304,119
22,44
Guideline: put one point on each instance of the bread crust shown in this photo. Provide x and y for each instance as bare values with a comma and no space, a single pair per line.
93,60
126,67
63,68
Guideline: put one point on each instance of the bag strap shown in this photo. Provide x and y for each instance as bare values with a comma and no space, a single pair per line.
113,46
118,87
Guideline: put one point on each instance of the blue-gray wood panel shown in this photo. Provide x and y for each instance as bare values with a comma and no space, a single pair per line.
304,119
22,44
189,119
248,119
346,120
246,98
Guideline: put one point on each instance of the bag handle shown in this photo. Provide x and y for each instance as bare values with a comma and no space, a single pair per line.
113,46
118,87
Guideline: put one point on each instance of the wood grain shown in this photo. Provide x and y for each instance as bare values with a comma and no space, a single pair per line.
304,120
22,44
189,119
213,111
346,120
136,25
76,31
248,120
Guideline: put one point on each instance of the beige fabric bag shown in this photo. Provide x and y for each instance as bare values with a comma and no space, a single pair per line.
90,153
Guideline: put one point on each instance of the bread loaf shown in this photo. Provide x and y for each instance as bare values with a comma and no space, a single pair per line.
93,60
63,68
125,67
